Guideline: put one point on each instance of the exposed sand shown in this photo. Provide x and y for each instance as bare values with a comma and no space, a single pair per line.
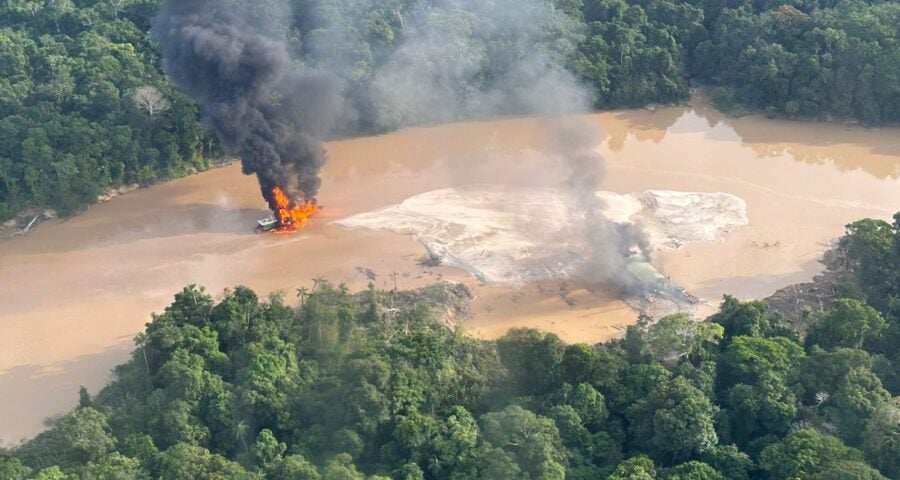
504,234
73,293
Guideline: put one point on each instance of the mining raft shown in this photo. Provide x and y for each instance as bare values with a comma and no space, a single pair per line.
659,285
267,224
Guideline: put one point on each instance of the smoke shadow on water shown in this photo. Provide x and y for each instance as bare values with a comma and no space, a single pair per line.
29,392
100,231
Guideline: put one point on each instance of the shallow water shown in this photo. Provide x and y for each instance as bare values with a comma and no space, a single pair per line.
74,293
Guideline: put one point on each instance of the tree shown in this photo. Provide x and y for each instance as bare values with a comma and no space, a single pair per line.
692,470
881,437
764,408
870,245
586,450
152,100
267,449
455,446
848,470
531,358
52,473
804,453
598,365
293,467
497,463
750,319
747,359
341,468
676,337
240,434
84,398
12,468
753,386
80,437
302,294
843,389
727,459
56,9
531,440
637,382
117,6
675,422
848,323
115,466
190,462
589,404
140,447
635,468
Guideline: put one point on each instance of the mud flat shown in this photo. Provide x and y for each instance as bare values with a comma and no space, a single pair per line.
74,292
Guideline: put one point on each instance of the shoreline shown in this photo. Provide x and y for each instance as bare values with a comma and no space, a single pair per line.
701,98
459,313
12,227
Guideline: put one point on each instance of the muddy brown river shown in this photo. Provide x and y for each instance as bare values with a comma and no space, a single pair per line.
74,292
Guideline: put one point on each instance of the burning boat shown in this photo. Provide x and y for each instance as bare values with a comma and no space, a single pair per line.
266,224
289,215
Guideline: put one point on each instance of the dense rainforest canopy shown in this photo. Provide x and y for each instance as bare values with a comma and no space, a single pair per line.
84,104
371,386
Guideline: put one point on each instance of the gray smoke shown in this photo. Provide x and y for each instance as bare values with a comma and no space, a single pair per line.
461,66
609,244
261,107
463,59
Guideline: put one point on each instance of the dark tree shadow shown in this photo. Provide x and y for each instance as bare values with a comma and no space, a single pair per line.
31,394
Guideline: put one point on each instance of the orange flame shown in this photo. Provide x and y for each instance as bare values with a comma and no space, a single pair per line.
291,217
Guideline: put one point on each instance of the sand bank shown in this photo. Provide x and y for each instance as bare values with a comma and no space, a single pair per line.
504,234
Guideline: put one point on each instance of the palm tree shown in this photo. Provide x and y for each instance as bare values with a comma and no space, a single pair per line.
317,283
141,341
240,433
302,293
434,464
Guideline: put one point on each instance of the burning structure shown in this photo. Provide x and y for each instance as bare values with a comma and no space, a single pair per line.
260,104
288,215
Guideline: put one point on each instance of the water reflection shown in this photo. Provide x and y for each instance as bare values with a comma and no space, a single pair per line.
643,125
846,148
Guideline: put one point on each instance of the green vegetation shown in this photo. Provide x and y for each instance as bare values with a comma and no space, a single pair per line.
84,104
805,58
343,387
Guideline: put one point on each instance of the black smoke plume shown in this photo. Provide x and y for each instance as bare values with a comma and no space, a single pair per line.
262,107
